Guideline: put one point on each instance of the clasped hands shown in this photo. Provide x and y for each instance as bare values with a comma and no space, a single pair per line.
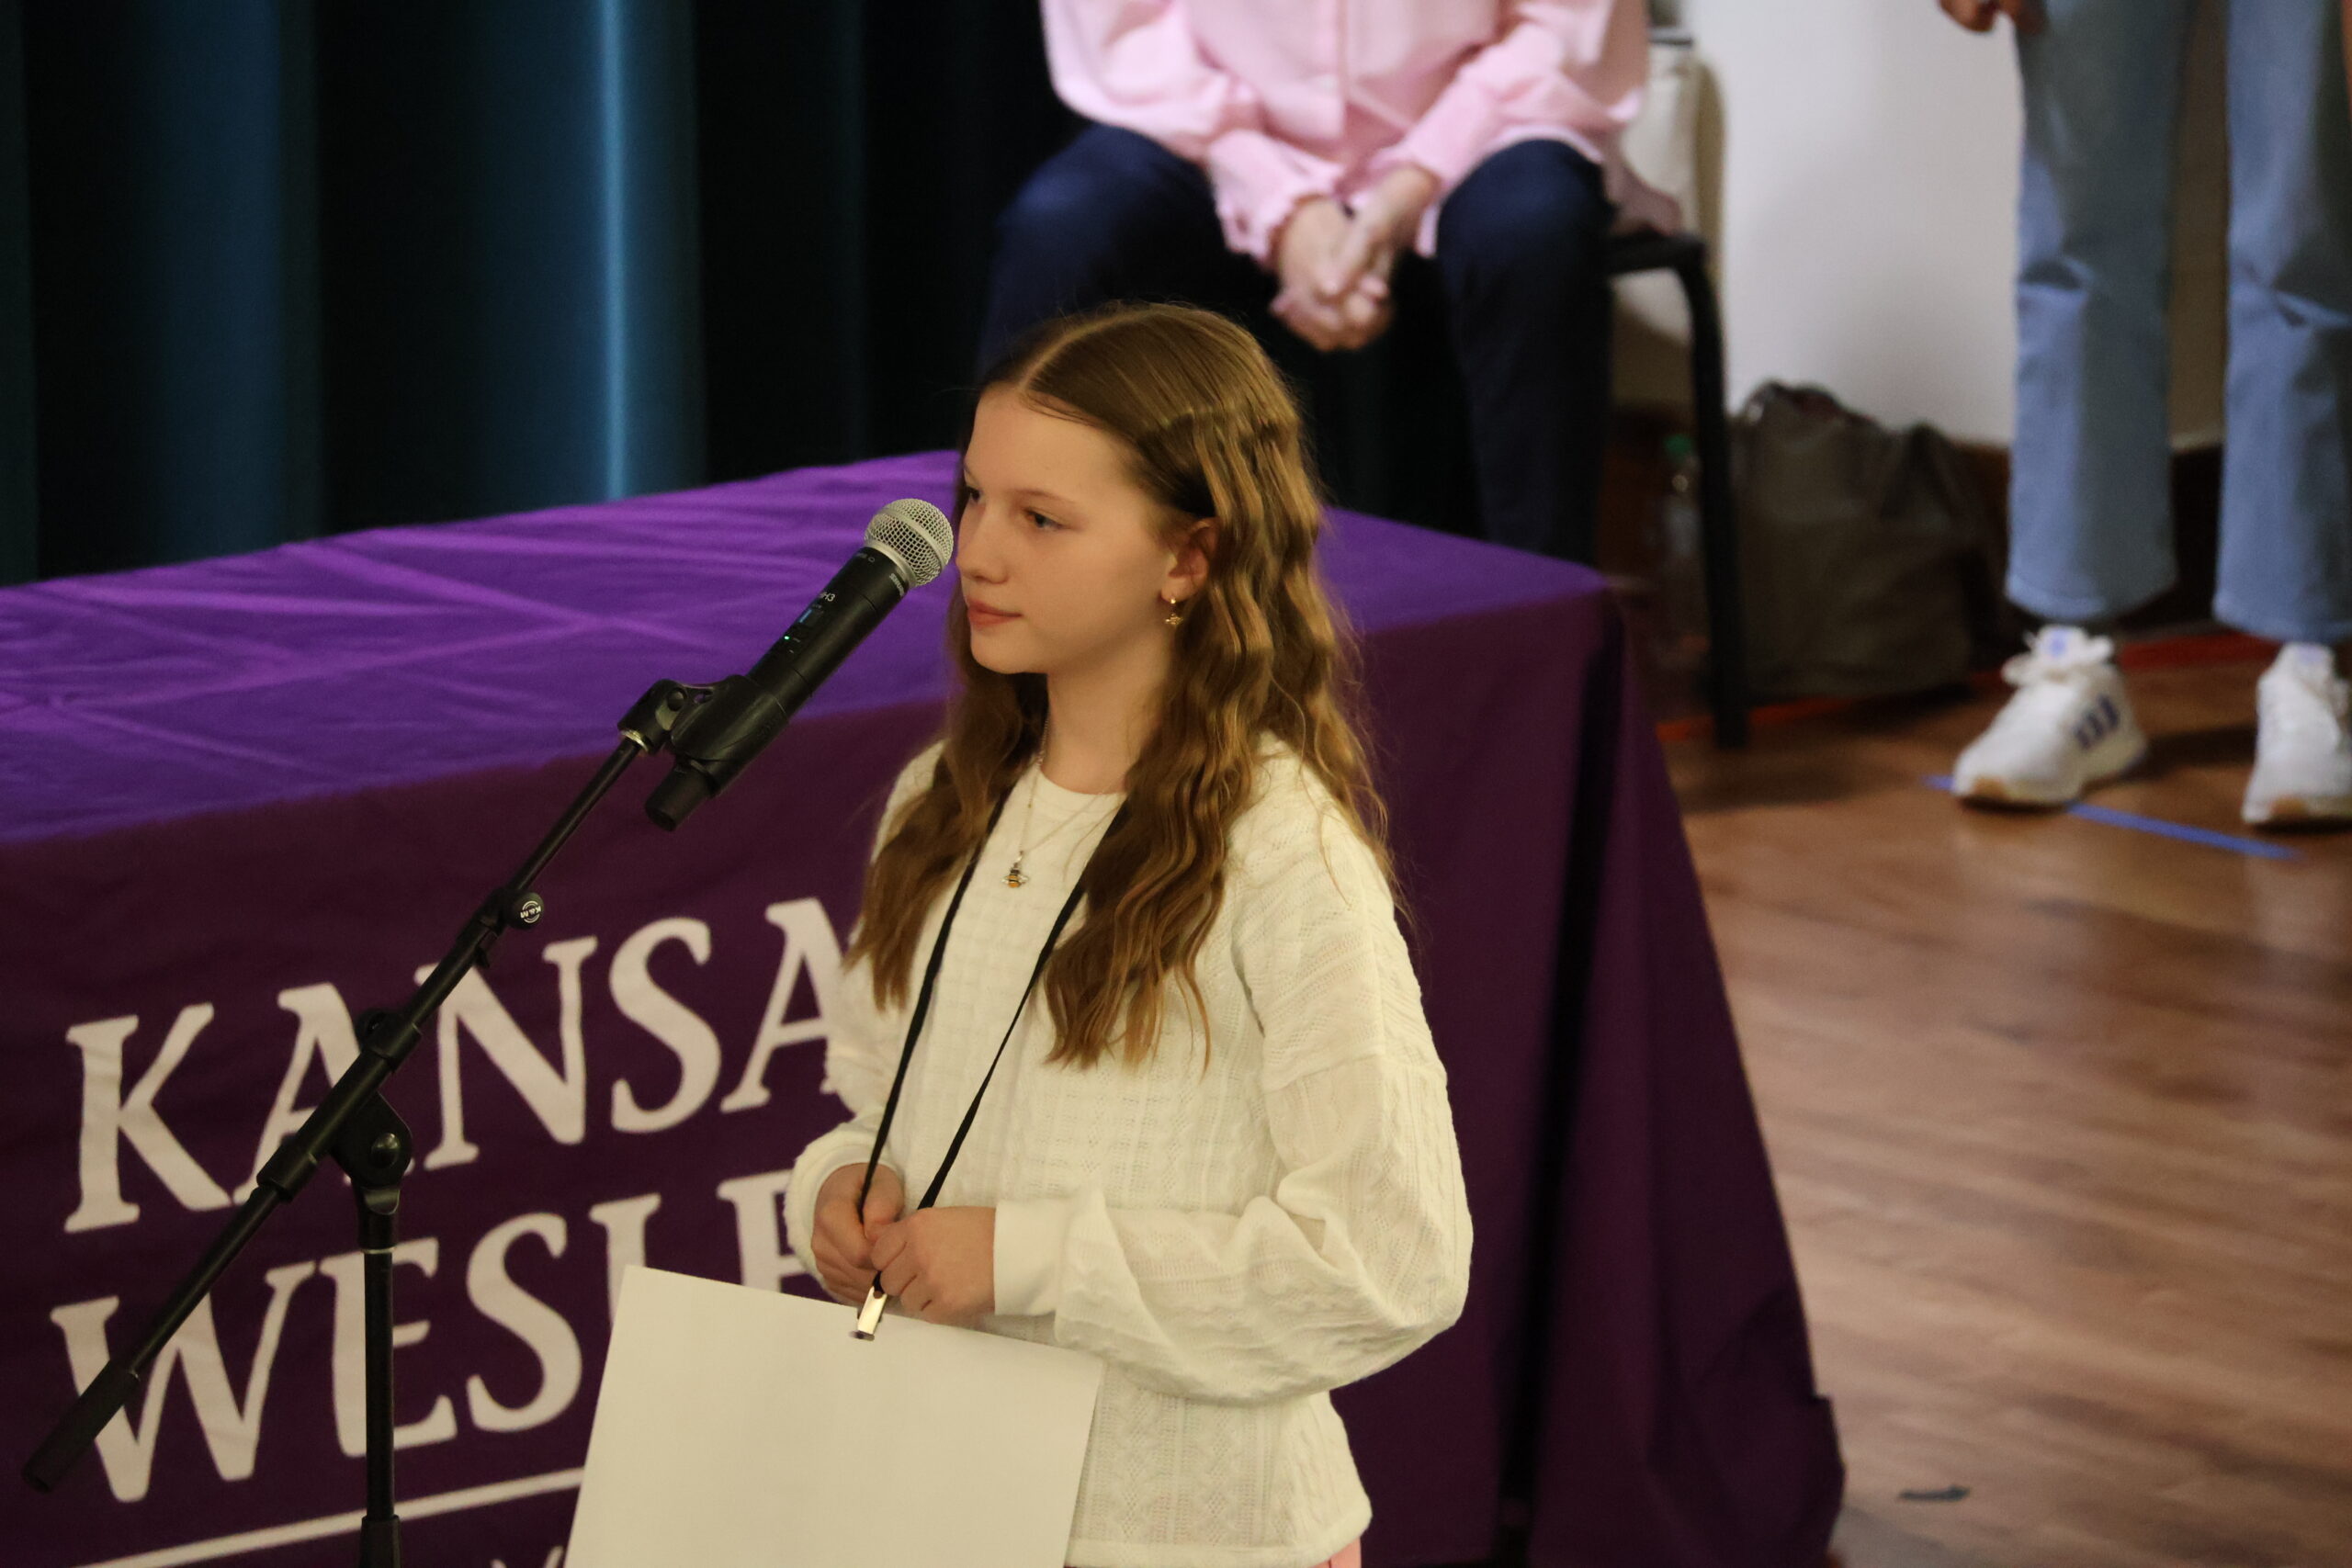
1978,15
939,1264
1334,264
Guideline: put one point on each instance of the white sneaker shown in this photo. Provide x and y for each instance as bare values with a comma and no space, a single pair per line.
2069,726
2302,753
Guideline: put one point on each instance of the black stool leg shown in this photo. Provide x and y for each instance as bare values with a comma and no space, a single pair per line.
1718,519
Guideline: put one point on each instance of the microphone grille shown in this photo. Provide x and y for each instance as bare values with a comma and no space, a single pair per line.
916,534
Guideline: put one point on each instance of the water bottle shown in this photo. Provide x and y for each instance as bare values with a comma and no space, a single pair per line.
1681,574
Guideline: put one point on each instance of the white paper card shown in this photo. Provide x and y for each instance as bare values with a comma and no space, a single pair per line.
740,1428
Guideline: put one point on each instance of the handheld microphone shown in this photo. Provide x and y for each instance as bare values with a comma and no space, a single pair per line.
907,545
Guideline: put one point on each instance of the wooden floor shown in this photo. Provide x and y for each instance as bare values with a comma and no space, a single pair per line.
2061,1117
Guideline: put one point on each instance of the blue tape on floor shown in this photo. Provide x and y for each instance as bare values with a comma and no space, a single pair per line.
2260,849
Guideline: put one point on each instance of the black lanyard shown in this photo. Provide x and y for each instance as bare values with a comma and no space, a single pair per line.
922,1009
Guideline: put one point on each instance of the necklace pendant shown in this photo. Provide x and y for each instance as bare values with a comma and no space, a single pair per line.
1014,879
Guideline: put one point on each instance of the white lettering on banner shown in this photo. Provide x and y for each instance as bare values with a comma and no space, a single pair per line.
554,1559
232,1421
322,1029
110,1119
759,1228
809,944
120,1104
622,1220
350,1377
555,1090
231,1426
558,1100
661,1015
243,1543
539,1326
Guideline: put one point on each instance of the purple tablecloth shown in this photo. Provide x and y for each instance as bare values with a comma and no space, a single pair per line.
244,798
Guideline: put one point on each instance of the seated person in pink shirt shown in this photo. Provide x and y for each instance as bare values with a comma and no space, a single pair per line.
1278,153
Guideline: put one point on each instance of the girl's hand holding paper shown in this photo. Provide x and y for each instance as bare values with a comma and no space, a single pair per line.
843,1240
940,1264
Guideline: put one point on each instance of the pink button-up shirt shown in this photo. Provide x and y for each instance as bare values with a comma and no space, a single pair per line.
1281,100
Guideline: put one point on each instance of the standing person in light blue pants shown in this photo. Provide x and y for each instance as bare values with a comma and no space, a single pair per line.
2091,525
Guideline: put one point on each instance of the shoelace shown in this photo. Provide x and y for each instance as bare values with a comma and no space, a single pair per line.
2049,681
2042,662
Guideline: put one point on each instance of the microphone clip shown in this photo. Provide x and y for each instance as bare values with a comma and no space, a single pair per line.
654,718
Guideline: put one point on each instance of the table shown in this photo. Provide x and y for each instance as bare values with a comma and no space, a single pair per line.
242,799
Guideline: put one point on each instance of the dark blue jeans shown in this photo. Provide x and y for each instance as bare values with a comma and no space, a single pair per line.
1520,250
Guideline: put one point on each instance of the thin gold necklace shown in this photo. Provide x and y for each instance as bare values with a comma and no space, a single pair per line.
1016,877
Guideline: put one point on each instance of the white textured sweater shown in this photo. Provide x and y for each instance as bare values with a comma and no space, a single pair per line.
1233,1241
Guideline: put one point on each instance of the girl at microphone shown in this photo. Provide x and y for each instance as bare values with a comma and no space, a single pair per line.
1215,1150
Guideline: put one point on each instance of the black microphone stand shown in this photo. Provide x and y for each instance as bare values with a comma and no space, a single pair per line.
355,1126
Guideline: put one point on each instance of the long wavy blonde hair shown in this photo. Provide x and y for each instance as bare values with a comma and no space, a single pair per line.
1211,430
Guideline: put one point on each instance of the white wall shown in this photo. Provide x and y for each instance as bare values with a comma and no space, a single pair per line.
1863,210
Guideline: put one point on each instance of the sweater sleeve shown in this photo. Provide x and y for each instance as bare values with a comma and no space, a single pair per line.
1360,1253
1578,66
861,1052
1137,64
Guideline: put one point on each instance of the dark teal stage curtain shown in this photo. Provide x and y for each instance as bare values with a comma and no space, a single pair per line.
173,352
19,554
270,269
509,257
